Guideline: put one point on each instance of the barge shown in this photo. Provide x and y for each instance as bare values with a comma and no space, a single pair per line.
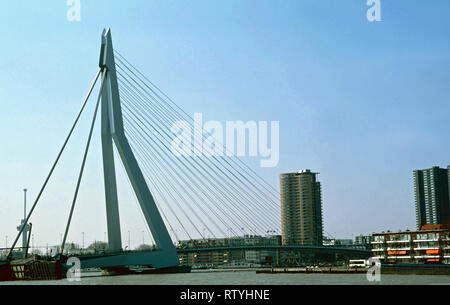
31,269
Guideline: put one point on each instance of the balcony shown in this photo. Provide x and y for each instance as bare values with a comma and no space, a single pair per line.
398,241
399,257
378,250
425,240
426,256
377,242
399,249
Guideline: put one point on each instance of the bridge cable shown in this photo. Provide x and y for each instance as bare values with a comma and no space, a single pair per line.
83,163
254,194
156,201
172,178
217,181
172,110
124,60
222,193
163,185
194,174
169,181
55,163
148,136
166,191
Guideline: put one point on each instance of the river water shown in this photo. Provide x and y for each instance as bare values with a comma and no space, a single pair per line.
247,278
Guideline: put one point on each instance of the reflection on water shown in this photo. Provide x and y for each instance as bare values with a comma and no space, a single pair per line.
249,278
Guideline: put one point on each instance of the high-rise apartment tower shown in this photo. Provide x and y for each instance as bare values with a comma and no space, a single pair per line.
432,197
301,209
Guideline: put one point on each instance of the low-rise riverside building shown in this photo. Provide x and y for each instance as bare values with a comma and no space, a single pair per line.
430,245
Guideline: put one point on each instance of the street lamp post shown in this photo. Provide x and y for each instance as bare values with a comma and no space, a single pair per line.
25,203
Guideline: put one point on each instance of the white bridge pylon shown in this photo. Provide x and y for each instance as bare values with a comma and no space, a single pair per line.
113,133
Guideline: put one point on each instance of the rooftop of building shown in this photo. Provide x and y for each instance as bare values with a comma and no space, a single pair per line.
299,172
423,229
431,168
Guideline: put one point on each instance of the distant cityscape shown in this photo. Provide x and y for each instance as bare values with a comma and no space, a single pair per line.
430,243
302,225
302,228
301,206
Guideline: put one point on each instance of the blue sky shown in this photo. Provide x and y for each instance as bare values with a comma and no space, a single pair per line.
362,103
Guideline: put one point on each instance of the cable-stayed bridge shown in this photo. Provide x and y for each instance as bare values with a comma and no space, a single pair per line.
180,196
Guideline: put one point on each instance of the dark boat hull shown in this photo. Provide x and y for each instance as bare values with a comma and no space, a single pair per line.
5,272
128,271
